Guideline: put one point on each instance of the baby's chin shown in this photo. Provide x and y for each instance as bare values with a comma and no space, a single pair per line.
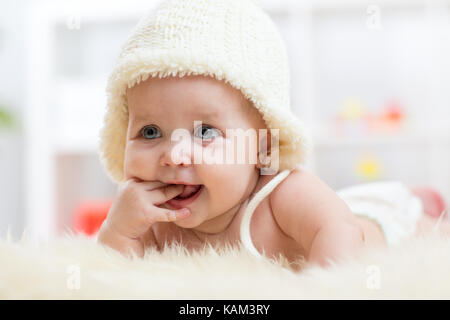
188,222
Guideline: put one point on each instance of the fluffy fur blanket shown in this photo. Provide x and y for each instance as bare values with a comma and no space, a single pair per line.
76,267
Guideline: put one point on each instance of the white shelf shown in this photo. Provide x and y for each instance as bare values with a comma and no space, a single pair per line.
324,139
293,5
76,147
78,119
336,142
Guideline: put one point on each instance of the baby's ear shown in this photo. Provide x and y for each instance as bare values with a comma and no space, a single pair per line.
265,141
264,146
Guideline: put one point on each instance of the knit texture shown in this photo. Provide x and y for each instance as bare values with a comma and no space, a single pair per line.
234,41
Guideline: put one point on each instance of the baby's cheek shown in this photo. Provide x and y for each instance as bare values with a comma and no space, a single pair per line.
214,154
230,152
137,163
230,181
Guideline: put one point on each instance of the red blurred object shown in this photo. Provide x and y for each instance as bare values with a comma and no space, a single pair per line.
89,216
394,112
433,202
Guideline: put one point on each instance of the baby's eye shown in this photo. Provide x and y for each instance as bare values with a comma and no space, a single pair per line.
150,132
207,132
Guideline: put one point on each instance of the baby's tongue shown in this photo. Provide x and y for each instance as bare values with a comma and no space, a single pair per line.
188,190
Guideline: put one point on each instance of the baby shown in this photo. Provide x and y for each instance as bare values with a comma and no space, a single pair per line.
194,75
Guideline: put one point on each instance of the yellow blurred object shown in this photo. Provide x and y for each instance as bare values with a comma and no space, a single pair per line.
352,110
368,167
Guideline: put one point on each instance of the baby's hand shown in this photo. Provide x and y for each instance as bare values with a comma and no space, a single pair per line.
133,212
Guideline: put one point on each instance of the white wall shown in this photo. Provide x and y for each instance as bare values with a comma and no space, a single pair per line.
12,96
52,162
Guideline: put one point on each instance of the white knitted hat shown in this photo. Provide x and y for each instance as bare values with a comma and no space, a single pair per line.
230,40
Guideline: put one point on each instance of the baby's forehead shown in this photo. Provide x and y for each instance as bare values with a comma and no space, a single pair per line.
199,94
193,84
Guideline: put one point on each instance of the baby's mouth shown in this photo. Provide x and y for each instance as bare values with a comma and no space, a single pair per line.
188,192
189,195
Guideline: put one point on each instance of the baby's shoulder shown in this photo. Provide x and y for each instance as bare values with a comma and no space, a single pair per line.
289,186
287,198
265,179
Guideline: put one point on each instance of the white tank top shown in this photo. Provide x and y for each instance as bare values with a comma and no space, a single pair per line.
252,205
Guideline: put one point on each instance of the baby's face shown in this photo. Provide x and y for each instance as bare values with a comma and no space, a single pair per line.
157,107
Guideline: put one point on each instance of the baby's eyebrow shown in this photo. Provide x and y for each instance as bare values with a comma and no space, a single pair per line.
196,115
139,119
210,114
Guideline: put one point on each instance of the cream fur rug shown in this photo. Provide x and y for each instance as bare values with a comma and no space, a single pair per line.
79,268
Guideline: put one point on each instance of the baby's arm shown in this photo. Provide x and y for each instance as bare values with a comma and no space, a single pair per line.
310,212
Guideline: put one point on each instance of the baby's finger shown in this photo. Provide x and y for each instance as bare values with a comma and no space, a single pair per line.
164,194
148,185
167,215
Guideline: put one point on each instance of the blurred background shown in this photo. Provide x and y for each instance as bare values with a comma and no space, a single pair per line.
371,80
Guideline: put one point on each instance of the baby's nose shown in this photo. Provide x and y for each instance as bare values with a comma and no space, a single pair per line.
178,153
